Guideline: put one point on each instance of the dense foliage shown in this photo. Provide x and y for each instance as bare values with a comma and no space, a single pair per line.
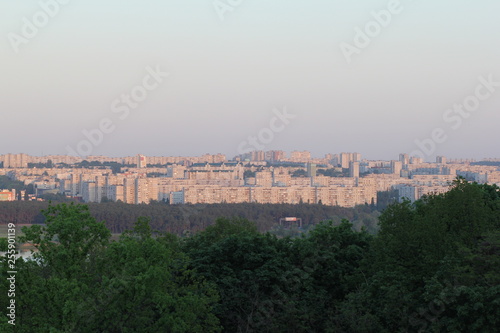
80,281
434,266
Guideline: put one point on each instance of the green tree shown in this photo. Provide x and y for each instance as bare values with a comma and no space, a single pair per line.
279,285
330,257
222,228
4,244
70,236
82,282
433,265
254,277
147,287
299,173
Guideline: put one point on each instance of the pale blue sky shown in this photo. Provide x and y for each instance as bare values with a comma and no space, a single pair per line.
227,76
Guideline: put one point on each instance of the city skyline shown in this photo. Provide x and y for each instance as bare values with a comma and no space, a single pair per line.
344,179
186,78
251,156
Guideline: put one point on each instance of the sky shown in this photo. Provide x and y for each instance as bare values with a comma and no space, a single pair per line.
189,77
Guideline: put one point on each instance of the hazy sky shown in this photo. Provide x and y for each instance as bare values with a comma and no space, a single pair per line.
230,67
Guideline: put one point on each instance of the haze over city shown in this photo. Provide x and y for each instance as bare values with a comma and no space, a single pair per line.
230,69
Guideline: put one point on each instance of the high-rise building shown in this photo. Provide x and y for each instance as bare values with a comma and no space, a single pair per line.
335,160
404,159
129,190
396,167
89,191
142,161
176,171
311,170
176,197
406,192
416,160
100,188
146,189
257,155
346,158
264,178
15,160
275,155
441,159
354,169
115,192
300,156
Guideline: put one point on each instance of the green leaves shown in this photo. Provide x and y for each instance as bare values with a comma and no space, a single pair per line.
435,263
278,285
82,282
69,238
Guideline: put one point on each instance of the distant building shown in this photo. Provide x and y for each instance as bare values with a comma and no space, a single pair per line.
6,195
264,178
404,159
416,160
300,156
177,197
311,170
15,160
142,161
115,193
275,155
335,160
258,155
354,169
478,177
146,189
396,167
129,190
89,192
289,222
406,192
346,158
176,171
440,159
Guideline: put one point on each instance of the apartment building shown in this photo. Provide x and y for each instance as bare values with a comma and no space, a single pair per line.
212,179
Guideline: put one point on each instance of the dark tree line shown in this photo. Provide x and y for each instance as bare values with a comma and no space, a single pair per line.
181,218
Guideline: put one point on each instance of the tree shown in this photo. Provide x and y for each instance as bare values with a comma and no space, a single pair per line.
147,287
70,236
223,228
82,282
248,174
330,257
433,265
4,244
299,173
278,285
254,278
